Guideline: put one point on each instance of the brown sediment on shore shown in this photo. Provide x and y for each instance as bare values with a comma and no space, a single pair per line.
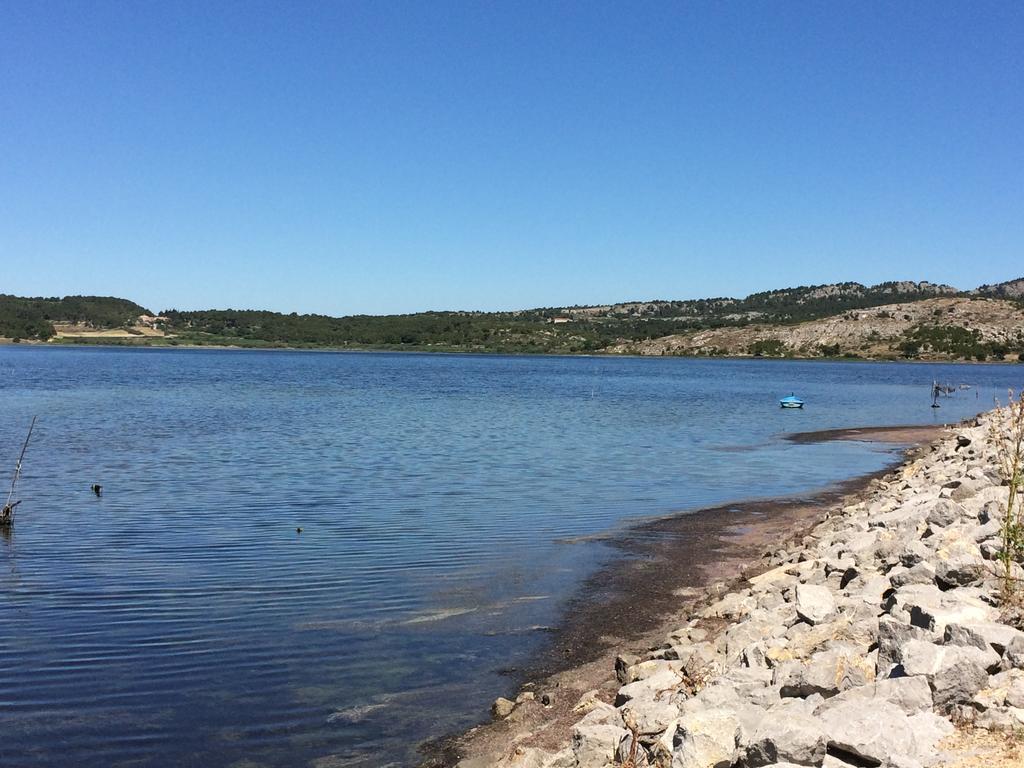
666,569
910,435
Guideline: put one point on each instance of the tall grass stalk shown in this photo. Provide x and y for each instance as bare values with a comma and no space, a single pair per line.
1007,436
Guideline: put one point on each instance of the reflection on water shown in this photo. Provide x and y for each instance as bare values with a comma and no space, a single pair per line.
181,618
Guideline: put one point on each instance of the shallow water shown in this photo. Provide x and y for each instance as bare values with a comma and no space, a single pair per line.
181,619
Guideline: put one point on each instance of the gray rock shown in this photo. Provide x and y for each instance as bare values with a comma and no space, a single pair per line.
705,739
1015,693
986,698
892,636
984,635
831,761
990,549
968,489
743,635
875,734
650,716
748,711
869,588
840,564
904,519
1013,656
914,553
595,740
622,664
932,609
960,570
862,544
910,694
785,735
649,687
827,672
502,708
992,511
955,634
814,604
929,730
529,757
754,656
1006,718
921,573
944,512
955,673
980,533
564,758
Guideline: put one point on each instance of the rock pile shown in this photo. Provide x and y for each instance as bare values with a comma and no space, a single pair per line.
861,649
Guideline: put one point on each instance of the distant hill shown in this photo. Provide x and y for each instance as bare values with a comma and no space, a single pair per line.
33,318
910,319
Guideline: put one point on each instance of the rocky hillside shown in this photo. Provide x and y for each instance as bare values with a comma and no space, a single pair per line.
1011,289
781,305
937,328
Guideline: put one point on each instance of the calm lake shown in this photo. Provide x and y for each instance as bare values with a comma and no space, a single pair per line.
180,619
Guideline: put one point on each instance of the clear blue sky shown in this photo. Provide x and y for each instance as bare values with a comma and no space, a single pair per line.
378,157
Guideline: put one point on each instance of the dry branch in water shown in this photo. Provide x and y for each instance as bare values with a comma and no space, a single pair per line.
7,513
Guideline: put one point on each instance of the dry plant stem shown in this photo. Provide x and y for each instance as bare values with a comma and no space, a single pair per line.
1009,442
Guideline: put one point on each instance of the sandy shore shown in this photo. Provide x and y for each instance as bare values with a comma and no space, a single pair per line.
668,568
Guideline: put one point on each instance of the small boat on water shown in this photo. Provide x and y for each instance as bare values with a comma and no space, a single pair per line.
792,401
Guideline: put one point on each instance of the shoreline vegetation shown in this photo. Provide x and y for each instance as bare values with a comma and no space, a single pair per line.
879,624
847,321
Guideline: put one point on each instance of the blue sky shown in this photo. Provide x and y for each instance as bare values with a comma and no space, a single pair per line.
377,157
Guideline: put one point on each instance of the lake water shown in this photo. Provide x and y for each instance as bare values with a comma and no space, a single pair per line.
180,619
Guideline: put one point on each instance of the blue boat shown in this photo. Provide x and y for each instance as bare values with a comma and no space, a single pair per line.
792,401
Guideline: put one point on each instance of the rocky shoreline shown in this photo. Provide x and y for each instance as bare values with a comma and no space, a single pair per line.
860,646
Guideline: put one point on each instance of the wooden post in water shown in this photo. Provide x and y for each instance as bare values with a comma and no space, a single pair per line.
7,513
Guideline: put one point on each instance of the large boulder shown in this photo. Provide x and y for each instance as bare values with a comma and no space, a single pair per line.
596,737
892,636
705,739
882,733
1013,655
827,672
944,512
921,573
910,694
932,609
904,519
955,673
649,688
960,570
914,553
990,635
650,716
814,603
785,734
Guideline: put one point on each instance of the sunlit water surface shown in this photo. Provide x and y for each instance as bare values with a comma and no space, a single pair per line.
182,620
